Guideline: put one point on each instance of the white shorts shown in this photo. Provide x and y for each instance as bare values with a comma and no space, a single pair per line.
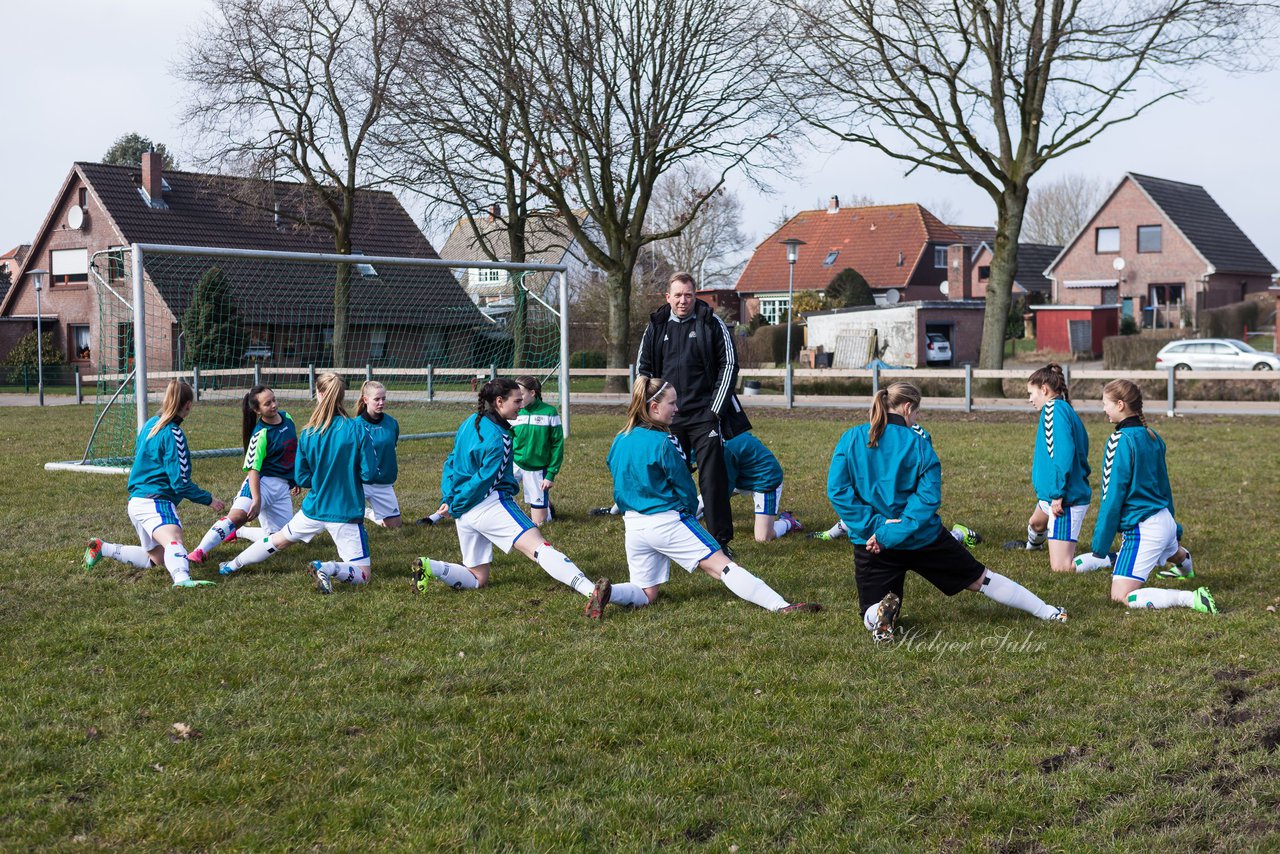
1067,526
277,503
349,537
382,498
147,514
531,481
767,503
1147,546
654,540
495,521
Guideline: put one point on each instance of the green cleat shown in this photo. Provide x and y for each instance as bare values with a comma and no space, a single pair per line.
1203,601
965,535
820,535
193,582
421,574
92,553
1179,570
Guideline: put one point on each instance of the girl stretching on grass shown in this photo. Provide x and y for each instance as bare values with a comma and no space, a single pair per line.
1059,475
655,492
384,433
1138,502
753,468
885,484
270,443
477,485
158,482
539,449
334,459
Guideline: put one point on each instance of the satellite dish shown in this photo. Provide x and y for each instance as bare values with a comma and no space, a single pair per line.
945,288
892,296
1118,264
75,217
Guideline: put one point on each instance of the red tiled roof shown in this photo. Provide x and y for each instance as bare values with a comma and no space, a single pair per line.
869,239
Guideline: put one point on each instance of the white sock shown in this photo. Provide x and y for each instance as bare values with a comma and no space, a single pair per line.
628,594
347,573
218,532
837,531
614,511
1088,562
252,532
1186,564
455,575
1006,591
1035,537
135,556
781,527
435,517
747,586
557,564
701,508
870,617
175,560
1158,597
256,553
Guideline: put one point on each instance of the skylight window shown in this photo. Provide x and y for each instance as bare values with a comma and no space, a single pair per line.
831,257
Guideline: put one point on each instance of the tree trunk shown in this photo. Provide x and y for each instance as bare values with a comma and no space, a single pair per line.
619,327
1010,208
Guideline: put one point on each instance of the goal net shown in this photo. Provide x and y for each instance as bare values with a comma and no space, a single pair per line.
225,320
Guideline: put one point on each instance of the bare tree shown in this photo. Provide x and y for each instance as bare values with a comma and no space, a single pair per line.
293,89
612,94
1058,209
995,89
708,244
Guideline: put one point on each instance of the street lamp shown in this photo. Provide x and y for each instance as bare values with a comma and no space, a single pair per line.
38,277
793,251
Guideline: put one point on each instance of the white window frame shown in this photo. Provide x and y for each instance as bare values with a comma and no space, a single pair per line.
940,257
1097,240
1159,232
773,308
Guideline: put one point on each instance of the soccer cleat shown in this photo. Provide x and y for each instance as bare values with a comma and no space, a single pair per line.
196,556
1060,617
600,511
801,608
728,552
227,568
324,584
1179,570
193,582
786,516
819,535
425,520
92,553
421,574
598,599
968,536
1203,601
1023,545
886,618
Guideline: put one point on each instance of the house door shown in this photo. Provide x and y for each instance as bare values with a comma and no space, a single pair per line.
1080,336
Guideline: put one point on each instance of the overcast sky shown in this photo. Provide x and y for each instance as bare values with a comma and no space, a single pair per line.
76,75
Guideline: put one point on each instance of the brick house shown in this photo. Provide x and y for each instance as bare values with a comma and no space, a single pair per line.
100,209
1162,251
1033,258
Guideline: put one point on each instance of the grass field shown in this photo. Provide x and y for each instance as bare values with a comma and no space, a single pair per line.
376,719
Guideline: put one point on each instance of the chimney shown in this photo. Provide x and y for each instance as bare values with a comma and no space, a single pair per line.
152,178
495,212
959,272
833,205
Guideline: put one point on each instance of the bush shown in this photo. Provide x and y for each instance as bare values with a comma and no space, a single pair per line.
1230,321
778,345
849,288
1136,352
587,359
24,352
1129,326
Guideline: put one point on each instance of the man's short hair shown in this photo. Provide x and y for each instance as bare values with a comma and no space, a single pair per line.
684,278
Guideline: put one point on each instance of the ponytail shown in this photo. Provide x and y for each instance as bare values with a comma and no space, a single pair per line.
177,394
888,398
249,413
330,391
487,399
647,390
1052,377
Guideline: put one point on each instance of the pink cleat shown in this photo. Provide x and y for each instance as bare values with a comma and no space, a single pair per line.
197,556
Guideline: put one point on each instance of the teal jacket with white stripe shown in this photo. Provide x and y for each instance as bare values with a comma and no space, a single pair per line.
383,435
162,465
335,464
1135,482
1060,464
479,463
900,478
751,466
650,473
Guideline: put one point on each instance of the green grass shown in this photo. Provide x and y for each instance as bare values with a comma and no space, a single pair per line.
502,720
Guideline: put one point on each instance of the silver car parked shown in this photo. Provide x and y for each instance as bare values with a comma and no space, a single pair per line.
1214,354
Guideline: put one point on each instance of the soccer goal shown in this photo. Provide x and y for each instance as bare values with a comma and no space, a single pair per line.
225,320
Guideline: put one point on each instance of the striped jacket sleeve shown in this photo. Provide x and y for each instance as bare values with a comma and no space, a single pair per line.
1061,445
726,363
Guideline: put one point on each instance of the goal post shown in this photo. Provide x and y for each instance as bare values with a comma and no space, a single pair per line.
227,319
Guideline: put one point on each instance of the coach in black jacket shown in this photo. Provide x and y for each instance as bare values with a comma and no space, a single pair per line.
689,347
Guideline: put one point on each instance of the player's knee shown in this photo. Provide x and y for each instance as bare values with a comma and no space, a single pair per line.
1060,565
764,537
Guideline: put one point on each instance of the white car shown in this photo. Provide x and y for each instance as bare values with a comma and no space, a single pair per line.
937,349
1215,354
